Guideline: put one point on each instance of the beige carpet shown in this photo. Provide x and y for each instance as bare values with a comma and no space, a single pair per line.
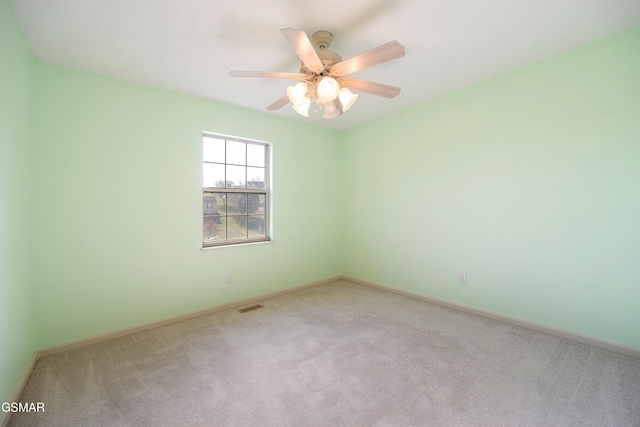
333,355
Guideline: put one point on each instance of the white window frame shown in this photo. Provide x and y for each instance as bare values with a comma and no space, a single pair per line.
236,190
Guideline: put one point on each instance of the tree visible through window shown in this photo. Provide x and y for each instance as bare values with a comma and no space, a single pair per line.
235,191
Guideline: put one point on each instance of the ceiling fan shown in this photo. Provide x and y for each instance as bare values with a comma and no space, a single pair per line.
324,74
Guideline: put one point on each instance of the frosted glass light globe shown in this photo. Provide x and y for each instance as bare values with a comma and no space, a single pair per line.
331,109
328,89
347,98
297,92
302,106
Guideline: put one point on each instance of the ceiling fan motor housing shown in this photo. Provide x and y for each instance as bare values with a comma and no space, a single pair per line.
327,57
321,39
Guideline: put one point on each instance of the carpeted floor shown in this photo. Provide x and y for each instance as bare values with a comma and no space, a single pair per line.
334,355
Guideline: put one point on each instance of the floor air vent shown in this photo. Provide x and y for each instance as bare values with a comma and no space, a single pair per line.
253,307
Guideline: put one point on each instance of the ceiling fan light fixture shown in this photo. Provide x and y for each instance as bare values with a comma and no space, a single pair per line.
302,106
332,109
328,89
347,98
297,93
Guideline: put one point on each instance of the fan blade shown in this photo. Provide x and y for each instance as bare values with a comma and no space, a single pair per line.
303,47
271,74
370,87
279,103
386,52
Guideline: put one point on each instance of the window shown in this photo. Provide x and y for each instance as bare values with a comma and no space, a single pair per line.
235,191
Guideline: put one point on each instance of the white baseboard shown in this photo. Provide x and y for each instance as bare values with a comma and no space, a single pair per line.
4,420
83,342
560,333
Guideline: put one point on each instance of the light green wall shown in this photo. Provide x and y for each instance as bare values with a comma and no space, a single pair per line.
528,182
17,333
118,204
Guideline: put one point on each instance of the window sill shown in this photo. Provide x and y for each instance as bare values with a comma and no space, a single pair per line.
233,245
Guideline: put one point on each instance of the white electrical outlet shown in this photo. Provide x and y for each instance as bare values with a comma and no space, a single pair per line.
227,278
462,278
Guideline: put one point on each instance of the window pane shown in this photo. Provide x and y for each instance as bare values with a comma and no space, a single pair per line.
255,178
236,203
214,204
212,149
256,203
212,175
236,176
237,227
256,225
255,155
236,153
214,229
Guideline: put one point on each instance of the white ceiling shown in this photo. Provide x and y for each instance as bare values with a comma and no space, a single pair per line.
191,45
